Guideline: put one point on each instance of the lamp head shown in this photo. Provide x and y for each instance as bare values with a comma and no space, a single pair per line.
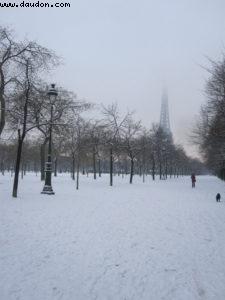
52,91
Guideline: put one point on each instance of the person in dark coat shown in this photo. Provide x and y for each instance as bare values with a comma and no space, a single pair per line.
218,196
193,179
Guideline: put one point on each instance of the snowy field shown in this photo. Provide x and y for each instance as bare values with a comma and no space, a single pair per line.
157,240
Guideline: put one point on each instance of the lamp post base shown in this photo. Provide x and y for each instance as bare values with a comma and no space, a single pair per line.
47,190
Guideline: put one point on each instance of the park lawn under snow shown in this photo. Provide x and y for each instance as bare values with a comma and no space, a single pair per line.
153,240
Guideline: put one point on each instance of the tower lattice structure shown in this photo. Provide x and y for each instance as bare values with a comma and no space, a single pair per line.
164,115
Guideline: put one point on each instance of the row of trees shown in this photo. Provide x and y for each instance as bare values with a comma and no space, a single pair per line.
114,143
210,130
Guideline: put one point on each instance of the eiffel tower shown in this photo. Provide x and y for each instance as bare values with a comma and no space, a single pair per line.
164,115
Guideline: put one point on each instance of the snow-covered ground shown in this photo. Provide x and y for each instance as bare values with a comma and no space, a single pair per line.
153,240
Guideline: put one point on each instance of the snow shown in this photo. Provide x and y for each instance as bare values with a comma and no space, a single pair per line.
152,240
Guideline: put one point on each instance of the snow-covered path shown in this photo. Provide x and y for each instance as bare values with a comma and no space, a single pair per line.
157,240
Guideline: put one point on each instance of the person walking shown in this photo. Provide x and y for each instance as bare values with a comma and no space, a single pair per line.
193,179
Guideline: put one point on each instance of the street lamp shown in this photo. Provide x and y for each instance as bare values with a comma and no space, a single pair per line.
164,162
52,93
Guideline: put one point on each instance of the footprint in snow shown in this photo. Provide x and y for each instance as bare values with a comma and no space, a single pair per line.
170,270
208,240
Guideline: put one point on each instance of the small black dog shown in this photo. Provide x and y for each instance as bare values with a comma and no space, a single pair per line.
218,196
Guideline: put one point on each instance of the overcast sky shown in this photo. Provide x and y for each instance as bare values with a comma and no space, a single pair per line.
127,50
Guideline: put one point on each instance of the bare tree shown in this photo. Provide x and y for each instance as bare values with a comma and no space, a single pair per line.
131,131
76,143
12,54
210,128
113,124
95,142
24,102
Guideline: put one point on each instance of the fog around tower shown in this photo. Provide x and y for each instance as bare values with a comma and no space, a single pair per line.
126,51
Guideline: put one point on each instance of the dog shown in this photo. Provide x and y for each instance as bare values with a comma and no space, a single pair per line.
218,197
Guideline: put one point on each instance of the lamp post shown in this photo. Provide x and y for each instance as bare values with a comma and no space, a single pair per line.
52,93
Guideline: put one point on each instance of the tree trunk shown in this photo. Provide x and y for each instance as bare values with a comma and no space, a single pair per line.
73,167
55,166
99,168
94,163
111,167
42,156
35,168
131,170
2,101
153,168
140,170
78,170
171,171
160,170
3,168
22,171
17,167
166,169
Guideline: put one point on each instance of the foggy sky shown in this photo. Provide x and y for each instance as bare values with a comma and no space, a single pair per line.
128,50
